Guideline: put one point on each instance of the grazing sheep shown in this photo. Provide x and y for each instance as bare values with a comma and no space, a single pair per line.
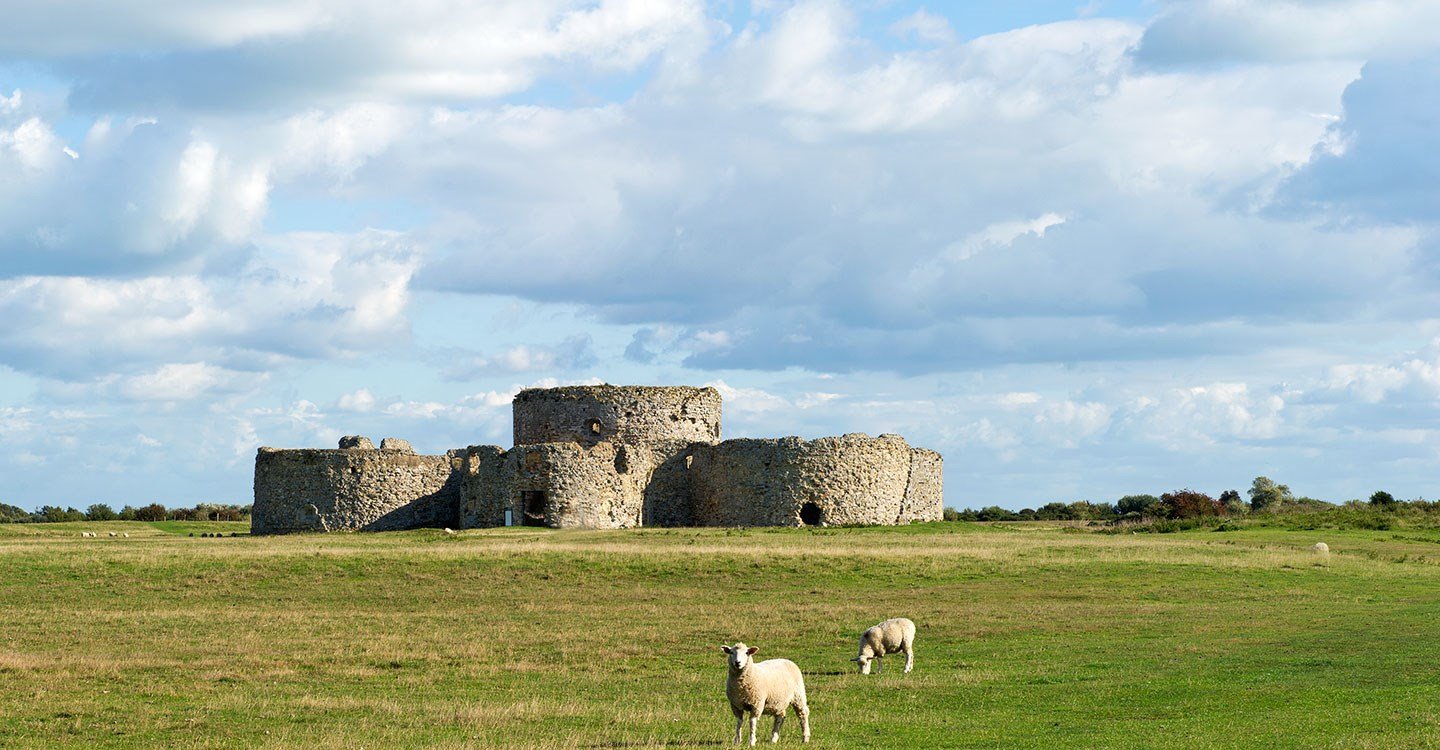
85,533
892,636
125,534
770,687
1321,548
113,534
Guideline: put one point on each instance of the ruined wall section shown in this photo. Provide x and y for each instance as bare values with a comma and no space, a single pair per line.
669,496
925,492
484,487
633,415
560,485
358,489
852,479
664,423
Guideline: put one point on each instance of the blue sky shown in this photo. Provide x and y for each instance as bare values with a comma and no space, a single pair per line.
1082,249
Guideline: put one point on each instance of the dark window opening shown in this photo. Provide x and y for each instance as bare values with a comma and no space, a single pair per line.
810,514
534,502
622,461
592,426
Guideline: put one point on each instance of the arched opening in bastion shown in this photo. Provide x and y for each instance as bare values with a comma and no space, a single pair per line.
534,513
810,514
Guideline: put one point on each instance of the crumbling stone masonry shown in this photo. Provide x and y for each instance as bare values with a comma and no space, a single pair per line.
602,457
352,489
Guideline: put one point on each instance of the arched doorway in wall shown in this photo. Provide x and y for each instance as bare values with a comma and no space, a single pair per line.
810,514
534,508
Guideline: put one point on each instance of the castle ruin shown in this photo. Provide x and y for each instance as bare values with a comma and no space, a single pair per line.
601,457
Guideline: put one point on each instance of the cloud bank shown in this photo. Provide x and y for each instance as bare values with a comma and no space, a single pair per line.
1081,257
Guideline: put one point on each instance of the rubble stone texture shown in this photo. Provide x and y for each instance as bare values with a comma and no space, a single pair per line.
854,479
602,457
396,444
352,490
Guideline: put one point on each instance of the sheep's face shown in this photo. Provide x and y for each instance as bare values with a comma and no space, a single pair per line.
866,657
739,655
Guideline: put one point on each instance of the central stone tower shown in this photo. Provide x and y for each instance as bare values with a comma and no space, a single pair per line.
632,415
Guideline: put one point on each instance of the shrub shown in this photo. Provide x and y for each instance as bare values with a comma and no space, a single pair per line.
184,514
996,513
151,512
1054,512
1144,505
1264,493
1190,504
100,512
1382,499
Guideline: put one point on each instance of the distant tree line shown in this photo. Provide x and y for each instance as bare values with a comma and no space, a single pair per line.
103,512
1264,496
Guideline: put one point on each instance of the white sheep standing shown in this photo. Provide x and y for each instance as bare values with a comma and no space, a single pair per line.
895,635
1321,548
769,687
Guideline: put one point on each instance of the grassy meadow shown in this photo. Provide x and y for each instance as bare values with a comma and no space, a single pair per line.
1030,636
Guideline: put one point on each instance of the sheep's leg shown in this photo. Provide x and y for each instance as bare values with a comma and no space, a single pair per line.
739,722
802,709
879,663
909,655
775,732
754,725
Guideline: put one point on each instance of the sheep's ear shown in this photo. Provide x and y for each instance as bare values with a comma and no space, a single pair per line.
752,649
726,649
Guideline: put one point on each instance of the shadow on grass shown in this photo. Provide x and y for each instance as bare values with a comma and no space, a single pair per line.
663,743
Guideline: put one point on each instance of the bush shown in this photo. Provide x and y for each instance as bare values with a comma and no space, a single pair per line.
215,512
184,514
1382,499
56,514
1190,504
1143,505
1264,493
100,512
151,512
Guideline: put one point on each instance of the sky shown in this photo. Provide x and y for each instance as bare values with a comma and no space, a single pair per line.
1083,249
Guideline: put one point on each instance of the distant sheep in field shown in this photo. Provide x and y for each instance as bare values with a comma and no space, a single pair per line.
113,534
771,687
896,635
86,534
1321,548
126,534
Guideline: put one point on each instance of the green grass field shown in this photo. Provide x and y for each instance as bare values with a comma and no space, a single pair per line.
1029,637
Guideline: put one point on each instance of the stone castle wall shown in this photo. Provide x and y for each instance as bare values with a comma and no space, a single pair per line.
853,479
925,493
357,489
559,485
634,415
602,457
